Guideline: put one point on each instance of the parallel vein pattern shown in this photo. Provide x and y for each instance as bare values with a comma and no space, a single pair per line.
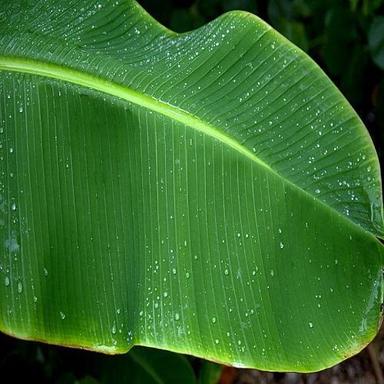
210,193
235,74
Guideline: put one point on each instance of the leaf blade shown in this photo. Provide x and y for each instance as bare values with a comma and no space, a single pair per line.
160,190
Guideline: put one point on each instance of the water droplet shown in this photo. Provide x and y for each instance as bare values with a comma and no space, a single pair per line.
272,272
45,272
310,325
13,206
11,244
216,341
62,315
317,191
177,316
35,299
187,275
113,330
281,245
165,294
6,281
226,272
21,109
174,271
213,320
19,287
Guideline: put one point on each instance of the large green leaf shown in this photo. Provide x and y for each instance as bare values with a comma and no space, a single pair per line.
210,193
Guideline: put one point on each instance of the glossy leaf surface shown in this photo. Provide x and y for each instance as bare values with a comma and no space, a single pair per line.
210,193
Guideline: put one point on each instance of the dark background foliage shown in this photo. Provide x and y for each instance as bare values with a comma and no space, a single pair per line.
346,38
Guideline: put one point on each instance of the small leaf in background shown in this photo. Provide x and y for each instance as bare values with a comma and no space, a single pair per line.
294,31
146,366
284,14
354,79
370,6
376,41
70,378
340,32
353,4
279,9
379,113
210,373
302,8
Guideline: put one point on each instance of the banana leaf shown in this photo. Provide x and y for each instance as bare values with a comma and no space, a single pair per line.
210,193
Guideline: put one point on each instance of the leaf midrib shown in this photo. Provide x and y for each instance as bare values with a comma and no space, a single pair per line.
59,72
123,92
